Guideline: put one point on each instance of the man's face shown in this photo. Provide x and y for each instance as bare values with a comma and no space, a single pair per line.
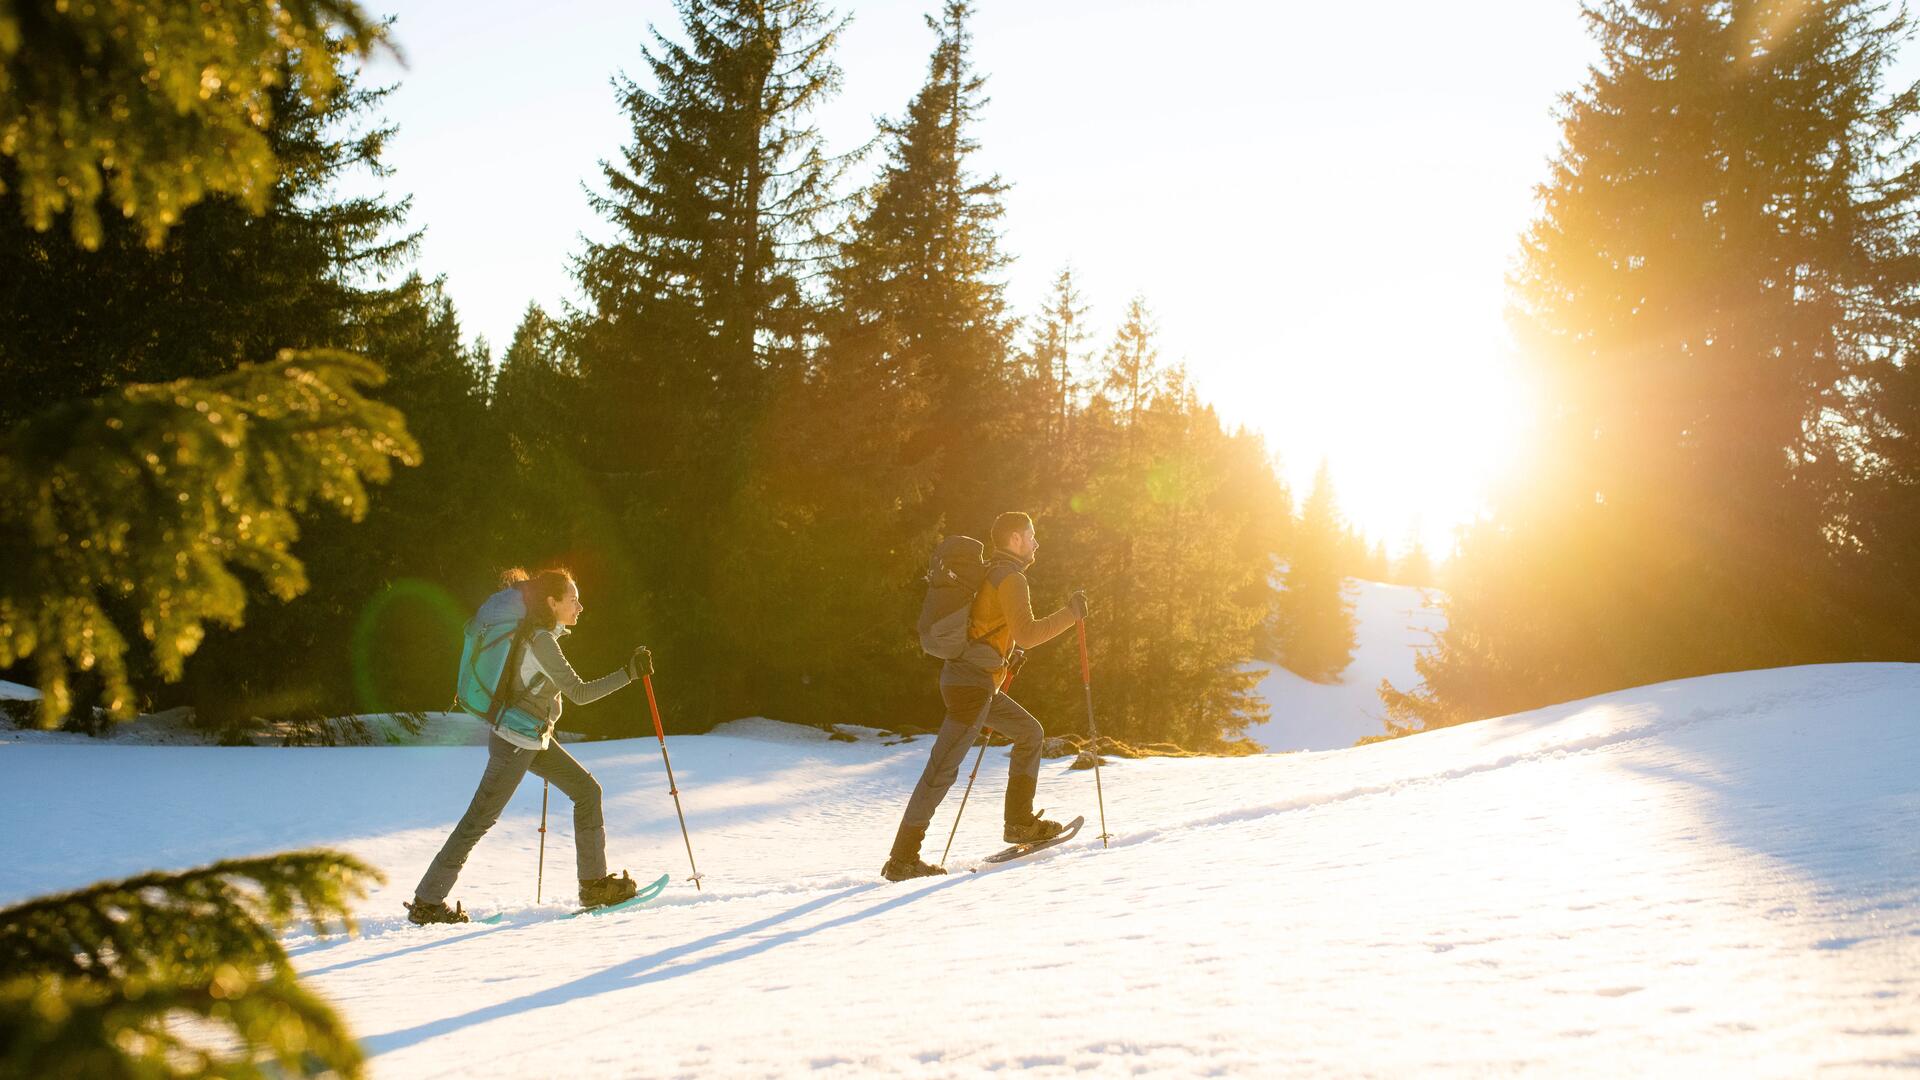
1024,544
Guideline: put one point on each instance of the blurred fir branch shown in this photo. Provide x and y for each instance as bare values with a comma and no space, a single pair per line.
153,106
150,498
176,975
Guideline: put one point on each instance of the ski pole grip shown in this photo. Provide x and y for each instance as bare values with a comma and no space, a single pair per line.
1086,672
654,708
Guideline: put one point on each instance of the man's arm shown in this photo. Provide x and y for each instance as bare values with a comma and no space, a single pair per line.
1017,602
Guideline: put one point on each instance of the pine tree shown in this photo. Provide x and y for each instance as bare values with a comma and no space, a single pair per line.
1173,533
698,309
1052,359
1131,372
1690,297
861,460
1378,568
1415,566
226,284
150,498
95,983
1316,626
536,386
915,289
379,628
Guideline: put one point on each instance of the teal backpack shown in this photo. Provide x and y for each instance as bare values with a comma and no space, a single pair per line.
490,654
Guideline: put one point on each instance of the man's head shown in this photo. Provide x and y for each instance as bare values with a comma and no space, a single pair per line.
1013,533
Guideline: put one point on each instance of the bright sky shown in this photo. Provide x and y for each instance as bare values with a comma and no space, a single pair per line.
1319,202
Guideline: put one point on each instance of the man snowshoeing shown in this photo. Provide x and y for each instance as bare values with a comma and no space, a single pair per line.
1001,627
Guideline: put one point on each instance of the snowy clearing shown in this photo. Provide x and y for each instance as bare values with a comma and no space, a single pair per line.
1720,875
1392,624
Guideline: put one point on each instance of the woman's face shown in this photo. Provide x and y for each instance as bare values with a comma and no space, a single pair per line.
567,609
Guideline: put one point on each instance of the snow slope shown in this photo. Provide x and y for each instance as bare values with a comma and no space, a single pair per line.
1392,623
1714,876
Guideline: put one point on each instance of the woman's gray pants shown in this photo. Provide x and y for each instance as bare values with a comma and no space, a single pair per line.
506,764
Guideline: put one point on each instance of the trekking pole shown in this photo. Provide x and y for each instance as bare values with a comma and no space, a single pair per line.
540,875
986,735
1086,684
661,734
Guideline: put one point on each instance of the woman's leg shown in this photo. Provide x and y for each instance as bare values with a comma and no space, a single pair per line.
589,827
506,764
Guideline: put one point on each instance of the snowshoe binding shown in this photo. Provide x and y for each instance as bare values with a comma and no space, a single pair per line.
903,868
426,912
600,892
1034,830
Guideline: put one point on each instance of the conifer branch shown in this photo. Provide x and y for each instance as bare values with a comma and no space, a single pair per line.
151,495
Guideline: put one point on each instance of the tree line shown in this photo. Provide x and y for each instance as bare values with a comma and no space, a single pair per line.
1718,297
781,386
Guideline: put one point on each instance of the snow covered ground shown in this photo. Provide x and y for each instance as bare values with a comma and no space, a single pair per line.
1714,876
1392,622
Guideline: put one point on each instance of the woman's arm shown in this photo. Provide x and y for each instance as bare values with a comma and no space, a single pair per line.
546,652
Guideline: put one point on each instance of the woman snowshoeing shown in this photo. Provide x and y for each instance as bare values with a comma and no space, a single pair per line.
534,690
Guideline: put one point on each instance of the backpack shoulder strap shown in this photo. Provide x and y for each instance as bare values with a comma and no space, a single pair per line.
997,572
508,673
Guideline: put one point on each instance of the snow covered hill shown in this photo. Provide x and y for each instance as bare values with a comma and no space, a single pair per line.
1718,876
1392,622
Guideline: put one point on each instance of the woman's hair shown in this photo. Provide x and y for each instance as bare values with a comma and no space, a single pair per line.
535,589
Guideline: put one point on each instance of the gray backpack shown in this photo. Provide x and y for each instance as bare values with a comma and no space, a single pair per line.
954,576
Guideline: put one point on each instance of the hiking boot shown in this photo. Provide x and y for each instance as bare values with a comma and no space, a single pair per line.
901,869
1031,831
1020,797
903,861
607,890
422,912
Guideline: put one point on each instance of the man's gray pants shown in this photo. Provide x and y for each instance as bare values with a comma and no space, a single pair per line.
506,764
968,708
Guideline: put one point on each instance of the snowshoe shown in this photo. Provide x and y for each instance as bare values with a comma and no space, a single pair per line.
1035,830
902,868
607,890
422,912
1021,851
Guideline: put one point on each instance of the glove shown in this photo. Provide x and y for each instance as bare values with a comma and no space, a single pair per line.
1077,603
639,664
1015,661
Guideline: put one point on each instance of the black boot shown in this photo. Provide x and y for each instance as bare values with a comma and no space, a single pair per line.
1031,831
600,892
1020,799
904,861
1023,825
421,912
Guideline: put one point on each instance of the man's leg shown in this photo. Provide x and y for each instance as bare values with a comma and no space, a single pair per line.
589,825
966,711
1023,765
506,764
